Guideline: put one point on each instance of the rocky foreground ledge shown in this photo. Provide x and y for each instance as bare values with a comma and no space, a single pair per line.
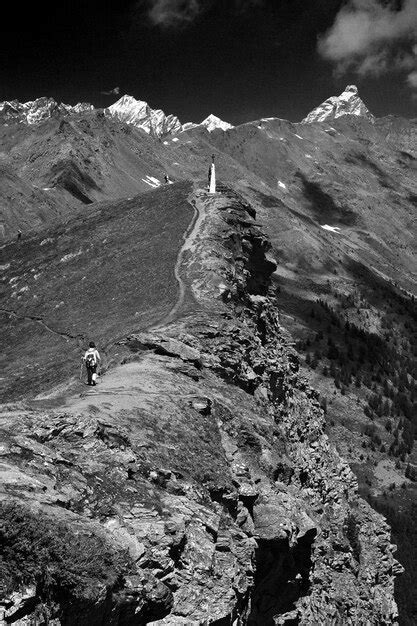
196,485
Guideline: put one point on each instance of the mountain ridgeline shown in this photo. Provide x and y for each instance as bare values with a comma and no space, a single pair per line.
256,412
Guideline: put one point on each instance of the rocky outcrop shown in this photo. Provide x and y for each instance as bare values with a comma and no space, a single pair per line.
199,476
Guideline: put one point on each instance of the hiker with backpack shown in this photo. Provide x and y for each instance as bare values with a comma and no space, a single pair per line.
91,359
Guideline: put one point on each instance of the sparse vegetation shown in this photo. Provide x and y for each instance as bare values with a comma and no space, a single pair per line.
377,362
61,563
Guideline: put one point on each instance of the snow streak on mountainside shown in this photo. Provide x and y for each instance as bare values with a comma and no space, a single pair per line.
348,103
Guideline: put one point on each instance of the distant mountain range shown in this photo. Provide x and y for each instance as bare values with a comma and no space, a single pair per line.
154,121
127,109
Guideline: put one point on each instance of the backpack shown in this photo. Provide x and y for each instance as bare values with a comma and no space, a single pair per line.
90,361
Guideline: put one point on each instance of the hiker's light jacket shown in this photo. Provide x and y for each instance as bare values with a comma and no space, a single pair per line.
92,351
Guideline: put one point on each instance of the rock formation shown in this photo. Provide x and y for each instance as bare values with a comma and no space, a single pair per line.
197,486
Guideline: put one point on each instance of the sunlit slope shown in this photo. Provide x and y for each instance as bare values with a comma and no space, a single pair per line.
100,277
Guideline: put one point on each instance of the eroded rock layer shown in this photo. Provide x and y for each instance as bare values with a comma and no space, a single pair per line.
197,485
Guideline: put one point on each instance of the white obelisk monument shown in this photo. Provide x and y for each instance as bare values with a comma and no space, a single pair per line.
212,176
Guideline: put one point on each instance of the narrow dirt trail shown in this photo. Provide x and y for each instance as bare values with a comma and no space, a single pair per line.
110,384
189,237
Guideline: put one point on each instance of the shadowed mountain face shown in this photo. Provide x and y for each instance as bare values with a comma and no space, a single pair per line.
104,255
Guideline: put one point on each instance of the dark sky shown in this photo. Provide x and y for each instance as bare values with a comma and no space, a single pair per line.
238,63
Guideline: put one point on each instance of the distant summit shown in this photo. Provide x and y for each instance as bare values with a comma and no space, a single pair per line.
212,122
348,103
138,113
39,110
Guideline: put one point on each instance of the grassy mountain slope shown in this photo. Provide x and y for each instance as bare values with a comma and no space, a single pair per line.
97,278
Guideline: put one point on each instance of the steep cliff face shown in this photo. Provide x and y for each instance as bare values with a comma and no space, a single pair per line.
196,485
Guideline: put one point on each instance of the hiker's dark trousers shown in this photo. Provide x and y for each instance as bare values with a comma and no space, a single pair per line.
90,371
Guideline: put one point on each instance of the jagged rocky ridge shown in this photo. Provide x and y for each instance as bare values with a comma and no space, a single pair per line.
216,496
154,121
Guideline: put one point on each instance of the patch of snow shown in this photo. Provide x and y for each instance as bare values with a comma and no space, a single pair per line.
45,241
189,126
151,181
47,188
25,288
308,156
333,229
13,280
175,139
69,256
281,184
36,276
4,267
298,136
166,143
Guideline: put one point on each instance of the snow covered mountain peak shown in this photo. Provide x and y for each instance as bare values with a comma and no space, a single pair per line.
212,122
138,113
37,111
348,103
127,109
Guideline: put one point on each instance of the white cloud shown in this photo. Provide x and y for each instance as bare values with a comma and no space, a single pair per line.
412,79
373,38
173,12
112,92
